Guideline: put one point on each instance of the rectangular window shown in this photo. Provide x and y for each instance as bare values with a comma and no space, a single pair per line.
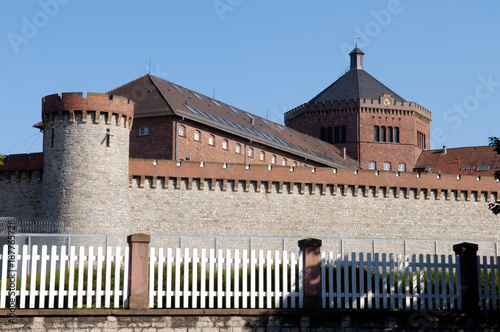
396,134
323,134
329,135
382,134
108,135
389,134
402,167
336,134
143,131
343,134
371,165
387,166
376,133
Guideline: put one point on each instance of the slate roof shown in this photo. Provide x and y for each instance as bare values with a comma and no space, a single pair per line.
154,96
355,84
477,160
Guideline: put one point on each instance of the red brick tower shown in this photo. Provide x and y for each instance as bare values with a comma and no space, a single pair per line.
376,126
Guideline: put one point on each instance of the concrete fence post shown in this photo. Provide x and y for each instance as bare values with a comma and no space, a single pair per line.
467,253
312,272
138,271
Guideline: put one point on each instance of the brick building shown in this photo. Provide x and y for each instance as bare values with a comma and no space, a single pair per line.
152,156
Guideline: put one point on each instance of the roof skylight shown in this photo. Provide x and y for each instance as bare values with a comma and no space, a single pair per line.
196,95
232,109
176,87
216,103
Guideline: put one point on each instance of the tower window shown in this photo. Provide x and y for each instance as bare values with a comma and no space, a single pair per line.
389,134
329,135
376,133
52,138
396,134
382,134
143,131
339,134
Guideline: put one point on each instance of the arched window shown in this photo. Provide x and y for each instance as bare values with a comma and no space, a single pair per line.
273,159
382,134
211,140
237,148
197,135
182,131
389,134
283,162
376,133
224,144
262,156
250,152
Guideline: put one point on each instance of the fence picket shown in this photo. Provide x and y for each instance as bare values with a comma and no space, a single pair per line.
33,291
52,278
301,279
236,292
268,290
369,289
3,287
116,292
177,287
228,278
126,259
152,292
79,292
244,285
107,286
293,280
194,292
90,273
168,288
361,281
211,279
399,269
185,290
43,275
277,282
220,265
98,291
62,293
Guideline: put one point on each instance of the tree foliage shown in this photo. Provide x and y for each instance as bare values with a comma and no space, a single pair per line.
1,159
495,207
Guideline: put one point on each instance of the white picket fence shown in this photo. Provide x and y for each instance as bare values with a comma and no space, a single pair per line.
225,281
238,279
381,282
489,289
54,267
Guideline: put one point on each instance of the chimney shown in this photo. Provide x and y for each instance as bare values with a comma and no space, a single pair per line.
344,152
444,149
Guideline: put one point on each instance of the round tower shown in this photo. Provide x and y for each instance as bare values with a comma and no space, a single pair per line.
86,154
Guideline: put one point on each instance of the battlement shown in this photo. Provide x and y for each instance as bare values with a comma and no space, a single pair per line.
21,162
364,181
98,102
376,104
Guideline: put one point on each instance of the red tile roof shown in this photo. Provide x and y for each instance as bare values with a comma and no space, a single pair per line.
478,160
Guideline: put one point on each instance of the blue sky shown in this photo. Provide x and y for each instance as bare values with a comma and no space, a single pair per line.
263,56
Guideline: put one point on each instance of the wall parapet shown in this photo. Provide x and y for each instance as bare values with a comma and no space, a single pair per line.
312,180
19,167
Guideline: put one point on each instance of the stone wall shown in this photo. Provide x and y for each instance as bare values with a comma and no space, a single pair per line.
248,320
225,207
